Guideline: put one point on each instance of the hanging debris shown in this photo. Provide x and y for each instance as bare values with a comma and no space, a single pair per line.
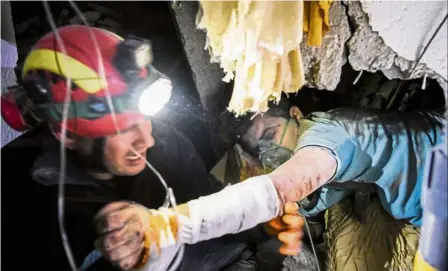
257,45
367,51
323,65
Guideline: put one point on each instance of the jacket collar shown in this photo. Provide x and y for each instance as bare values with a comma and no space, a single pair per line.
46,170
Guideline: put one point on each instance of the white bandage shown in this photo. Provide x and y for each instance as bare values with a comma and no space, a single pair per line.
162,253
234,209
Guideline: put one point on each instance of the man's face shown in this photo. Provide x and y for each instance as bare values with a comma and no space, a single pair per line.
270,129
118,155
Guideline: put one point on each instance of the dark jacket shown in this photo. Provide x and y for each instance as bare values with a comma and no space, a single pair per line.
30,168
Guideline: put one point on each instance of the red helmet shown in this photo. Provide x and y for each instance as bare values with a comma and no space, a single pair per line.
136,88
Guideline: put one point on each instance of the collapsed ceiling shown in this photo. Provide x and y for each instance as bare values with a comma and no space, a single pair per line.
351,38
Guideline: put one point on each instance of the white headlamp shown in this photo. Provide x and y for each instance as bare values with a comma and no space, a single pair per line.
155,97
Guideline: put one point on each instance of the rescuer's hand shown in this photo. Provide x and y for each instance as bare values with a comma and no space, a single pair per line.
121,228
288,228
129,232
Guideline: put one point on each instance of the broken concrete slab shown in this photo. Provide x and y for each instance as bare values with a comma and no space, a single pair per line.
8,79
368,51
323,65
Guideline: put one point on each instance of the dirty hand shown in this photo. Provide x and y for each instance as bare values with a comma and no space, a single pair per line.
288,228
127,231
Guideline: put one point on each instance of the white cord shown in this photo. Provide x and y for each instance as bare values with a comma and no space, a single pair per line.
61,191
424,82
358,77
309,236
311,242
170,198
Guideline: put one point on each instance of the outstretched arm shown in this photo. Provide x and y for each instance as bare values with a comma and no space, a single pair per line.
240,206
310,168
232,210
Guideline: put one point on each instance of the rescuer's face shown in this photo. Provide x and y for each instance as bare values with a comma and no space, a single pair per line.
118,155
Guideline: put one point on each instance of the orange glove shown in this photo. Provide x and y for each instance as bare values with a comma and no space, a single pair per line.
288,228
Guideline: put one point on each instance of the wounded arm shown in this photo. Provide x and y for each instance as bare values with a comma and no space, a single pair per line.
310,168
257,200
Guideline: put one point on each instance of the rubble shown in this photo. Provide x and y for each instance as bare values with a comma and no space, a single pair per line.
29,31
367,51
91,17
104,11
323,65
305,260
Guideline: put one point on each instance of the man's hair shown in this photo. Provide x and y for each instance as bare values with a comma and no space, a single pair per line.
238,127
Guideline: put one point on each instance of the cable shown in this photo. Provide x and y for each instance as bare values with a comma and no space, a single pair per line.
309,236
61,187
311,242
170,198
398,91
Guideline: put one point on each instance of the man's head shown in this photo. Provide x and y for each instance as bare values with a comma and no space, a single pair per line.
279,126
125,79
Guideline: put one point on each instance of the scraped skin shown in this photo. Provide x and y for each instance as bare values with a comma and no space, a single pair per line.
309,168
306,171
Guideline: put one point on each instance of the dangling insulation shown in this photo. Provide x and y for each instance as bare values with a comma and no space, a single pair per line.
316,21
258,45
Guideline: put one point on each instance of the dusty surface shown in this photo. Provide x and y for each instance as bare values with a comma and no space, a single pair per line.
323,65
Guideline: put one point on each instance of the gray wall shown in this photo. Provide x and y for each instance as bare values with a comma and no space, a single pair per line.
214,93
9,61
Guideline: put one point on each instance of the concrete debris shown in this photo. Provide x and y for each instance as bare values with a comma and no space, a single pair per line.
323,65
305,260
405,65
367,51
104,11
9,55
32,29
63,17
9,78
22,27
90,16
109,25
108,22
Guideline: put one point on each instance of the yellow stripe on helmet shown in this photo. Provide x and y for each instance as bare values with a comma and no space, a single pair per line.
58,63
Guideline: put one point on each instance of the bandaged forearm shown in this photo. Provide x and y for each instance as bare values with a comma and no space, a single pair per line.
234,209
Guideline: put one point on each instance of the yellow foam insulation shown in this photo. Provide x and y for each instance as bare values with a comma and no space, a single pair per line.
316,21
257,44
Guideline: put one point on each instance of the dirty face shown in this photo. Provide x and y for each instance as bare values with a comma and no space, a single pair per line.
118,155
271,129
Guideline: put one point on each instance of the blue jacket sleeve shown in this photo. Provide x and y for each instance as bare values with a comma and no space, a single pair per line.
322,132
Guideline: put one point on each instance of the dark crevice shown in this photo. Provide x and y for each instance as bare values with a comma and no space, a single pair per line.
351,25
